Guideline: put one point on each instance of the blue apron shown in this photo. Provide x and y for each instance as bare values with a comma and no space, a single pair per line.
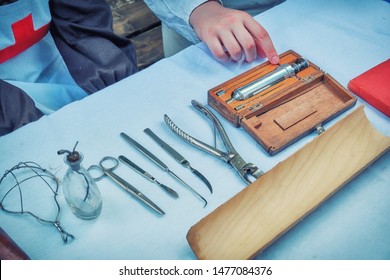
55,52
37,68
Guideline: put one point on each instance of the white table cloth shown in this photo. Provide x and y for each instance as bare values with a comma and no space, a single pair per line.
344,38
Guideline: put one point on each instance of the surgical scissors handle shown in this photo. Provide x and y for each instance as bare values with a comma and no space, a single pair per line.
108,171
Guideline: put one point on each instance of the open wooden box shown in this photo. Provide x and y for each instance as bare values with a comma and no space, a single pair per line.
286,111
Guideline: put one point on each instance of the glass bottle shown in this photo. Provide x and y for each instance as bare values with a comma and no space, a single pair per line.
80,190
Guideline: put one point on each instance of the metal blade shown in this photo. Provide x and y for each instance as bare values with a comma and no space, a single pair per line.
203,178
177,156
168,189
188,186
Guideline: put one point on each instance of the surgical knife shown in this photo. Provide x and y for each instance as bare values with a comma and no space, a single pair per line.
159,163
145,174
177,156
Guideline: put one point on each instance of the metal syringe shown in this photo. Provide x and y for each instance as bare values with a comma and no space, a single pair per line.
283,72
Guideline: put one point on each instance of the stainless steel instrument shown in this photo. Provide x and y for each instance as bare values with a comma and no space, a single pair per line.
177,156
231,156
106,167
159,163
281,73
146,175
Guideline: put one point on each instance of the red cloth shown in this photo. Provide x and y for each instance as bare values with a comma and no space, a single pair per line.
374,86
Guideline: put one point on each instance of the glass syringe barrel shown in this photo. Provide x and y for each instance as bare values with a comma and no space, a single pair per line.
283,72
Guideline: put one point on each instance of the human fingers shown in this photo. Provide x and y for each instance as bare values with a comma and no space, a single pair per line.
216,48
246,42
231,44
263,41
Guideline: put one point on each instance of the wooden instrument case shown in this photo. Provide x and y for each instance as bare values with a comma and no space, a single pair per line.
283,113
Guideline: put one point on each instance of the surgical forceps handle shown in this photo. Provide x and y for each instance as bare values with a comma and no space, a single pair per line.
195,142
238,163
133,191
231,156
201,145
146,175
217,124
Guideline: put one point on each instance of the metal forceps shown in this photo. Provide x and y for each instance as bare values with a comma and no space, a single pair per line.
230,156
106,167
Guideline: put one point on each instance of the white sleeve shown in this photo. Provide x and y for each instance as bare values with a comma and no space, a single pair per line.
176,14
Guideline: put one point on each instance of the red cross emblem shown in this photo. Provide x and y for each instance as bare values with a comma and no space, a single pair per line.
25,36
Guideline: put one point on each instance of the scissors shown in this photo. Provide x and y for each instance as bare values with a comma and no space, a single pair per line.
231,156
106,167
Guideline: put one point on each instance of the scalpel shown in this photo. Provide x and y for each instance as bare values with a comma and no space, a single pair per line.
159,163
177,156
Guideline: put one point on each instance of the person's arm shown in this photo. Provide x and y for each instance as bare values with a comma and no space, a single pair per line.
95,56
231,33
175,14
16,108
228,33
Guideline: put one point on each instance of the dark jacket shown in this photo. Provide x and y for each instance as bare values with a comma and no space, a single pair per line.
95,56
